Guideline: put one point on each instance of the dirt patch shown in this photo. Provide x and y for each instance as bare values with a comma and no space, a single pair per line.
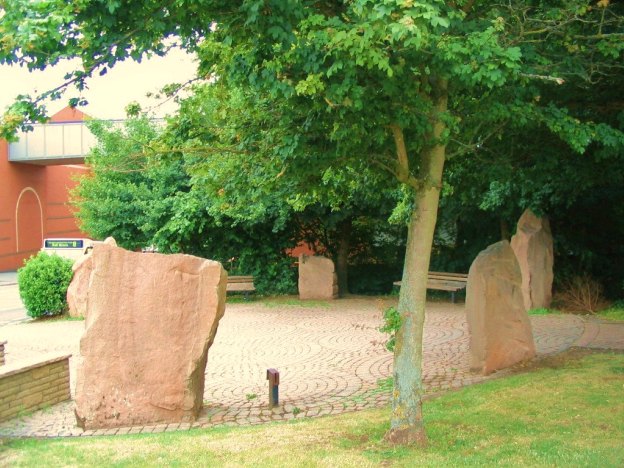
357,438
557,361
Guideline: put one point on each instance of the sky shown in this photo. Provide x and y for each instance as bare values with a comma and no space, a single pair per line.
108,95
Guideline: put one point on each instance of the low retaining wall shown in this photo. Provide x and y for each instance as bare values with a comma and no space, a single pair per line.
33,384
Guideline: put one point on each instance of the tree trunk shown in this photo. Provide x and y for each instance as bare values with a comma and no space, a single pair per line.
504,229
406,425
342,256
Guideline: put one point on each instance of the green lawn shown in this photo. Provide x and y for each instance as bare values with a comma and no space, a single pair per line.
569,411
615,312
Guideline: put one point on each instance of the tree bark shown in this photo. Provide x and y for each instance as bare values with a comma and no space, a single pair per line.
406,425
504,229
342,256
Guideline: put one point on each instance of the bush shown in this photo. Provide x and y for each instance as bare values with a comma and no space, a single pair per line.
581,294
392,323
43,283
373,279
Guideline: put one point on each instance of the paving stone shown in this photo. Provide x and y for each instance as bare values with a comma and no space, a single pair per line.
328,360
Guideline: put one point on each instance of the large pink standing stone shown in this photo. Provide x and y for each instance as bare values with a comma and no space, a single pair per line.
151,319
500,331
533,246
317,278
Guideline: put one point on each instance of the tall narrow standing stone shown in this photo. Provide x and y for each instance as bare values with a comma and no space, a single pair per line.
149,324
500,331
533,246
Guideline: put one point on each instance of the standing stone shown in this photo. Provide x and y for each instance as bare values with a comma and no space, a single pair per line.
77,290
500,331
79,286
317,278
533,246
150,322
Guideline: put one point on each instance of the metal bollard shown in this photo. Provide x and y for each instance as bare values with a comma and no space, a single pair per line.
273,378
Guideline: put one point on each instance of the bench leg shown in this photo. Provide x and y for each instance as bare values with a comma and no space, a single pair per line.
453,297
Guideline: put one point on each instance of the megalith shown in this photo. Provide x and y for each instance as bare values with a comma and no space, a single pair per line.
79,286
317,278
533,246
150,321
500,331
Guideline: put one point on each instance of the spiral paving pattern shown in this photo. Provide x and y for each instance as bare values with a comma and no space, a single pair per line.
331,359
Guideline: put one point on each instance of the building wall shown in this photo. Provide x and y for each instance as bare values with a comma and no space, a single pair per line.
34,203
60,221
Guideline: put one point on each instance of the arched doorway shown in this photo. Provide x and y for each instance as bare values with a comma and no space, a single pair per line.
28,223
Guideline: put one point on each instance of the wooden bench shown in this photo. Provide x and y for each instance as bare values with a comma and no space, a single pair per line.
242,284
441,281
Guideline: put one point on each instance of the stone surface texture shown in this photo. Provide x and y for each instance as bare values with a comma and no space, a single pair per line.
150,321
533,246
317,278
79,286
500,331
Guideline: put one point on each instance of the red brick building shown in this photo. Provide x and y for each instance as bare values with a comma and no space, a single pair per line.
36,175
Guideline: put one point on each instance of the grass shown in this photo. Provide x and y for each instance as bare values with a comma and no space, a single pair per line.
239,299
543,311
282,301
57,318
613,313
567,412
277,301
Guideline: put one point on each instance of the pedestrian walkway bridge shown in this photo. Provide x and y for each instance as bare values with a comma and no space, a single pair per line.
53,144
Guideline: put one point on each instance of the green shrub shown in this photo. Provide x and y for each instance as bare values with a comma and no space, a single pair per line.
43,283
392,323
373,279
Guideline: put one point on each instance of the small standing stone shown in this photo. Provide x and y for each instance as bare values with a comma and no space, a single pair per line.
317,278
500,330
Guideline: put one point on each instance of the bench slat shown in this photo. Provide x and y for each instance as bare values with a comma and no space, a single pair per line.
447,286
452,275
241,287
241,283
441,281
240,279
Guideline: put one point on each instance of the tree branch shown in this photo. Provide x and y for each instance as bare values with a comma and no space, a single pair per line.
556,79
402,172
